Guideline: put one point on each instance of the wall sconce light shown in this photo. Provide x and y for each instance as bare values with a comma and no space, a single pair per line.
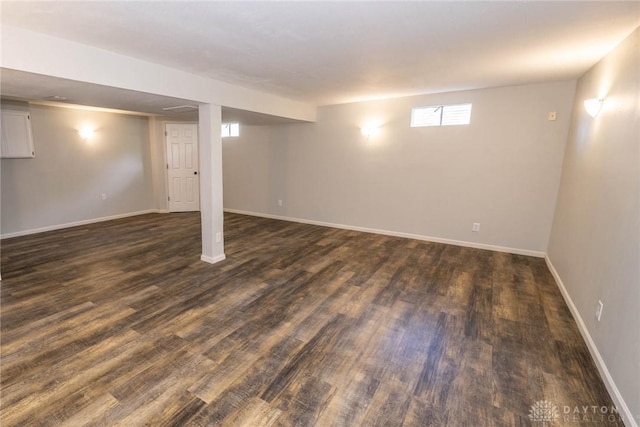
593,106
370,130
86,132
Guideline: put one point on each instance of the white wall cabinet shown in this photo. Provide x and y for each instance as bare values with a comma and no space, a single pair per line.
17,139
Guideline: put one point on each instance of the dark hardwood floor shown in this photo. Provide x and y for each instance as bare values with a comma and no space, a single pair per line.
119,323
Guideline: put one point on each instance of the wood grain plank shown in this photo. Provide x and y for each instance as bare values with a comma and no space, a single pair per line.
119,323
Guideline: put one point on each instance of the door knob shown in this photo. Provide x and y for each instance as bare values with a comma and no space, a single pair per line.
195,173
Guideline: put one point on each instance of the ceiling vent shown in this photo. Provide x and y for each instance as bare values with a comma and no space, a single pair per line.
181,108
56,98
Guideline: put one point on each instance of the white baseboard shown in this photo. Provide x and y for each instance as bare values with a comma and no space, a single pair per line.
625,412
213,260
537,254
77,223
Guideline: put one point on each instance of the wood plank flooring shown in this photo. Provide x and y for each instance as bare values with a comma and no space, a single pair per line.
120,324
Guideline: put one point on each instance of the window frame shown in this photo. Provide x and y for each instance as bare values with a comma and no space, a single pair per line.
442,120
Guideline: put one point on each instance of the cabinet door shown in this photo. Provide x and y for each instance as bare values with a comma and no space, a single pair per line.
17,140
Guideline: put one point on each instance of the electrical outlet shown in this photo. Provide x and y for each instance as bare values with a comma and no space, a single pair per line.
104,196
599,310
218,237
476,227
279,202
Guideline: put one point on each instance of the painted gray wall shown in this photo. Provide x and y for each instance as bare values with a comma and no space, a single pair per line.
595,239
65,181
249,166
503,170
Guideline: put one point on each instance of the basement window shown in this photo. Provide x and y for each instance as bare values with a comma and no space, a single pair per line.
441,115
230,129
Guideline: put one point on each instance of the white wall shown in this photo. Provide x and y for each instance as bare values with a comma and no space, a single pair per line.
503,170
595,240
64,183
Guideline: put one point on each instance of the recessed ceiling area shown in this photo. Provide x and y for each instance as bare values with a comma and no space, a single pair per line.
335,52
38,88
25,86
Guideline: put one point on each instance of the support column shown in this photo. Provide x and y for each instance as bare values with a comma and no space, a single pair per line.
210,122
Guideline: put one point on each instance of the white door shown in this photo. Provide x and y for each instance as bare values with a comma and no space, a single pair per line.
182,167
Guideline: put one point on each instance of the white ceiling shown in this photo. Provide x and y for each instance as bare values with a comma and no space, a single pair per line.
336,52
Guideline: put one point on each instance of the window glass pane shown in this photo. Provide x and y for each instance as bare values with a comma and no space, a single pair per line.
456,115
425,116
230,129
